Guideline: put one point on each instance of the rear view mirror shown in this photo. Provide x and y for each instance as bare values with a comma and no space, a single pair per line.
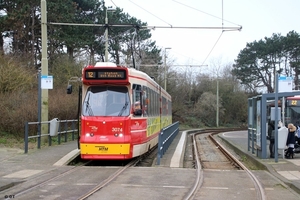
69,89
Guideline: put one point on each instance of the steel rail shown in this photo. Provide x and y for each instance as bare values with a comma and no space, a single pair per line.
73,169
259,189
109,179
199,176
116,174
199,172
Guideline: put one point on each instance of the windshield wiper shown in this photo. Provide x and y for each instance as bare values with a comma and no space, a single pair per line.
88,107
123,109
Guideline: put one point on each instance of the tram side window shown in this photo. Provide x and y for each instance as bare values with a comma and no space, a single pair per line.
170,107
156,104
145,97
164,106
136,99
151,103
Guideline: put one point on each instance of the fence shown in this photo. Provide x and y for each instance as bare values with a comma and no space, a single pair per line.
63,128
165,139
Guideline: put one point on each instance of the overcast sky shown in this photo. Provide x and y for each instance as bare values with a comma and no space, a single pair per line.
258,18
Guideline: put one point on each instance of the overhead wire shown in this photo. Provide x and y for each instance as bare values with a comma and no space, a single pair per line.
206,12
212,16
149,12
145,11
212,48
222,19
113,3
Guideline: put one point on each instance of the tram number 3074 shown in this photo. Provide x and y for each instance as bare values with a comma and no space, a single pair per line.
115,129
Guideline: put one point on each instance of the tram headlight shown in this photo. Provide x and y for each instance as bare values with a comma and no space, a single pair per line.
119,135
89,134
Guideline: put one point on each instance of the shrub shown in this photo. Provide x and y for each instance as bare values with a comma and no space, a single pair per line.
19,96
15,76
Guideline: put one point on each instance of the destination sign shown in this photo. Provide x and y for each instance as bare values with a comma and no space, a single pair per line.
105,74
114,75
293,102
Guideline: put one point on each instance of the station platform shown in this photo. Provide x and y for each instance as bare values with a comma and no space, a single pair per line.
286,170
16,166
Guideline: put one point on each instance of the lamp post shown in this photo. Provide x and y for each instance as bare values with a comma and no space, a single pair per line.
217,117
109,8
165,63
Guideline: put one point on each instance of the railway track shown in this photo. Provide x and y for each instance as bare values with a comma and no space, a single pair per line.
212,175
108,180
210,155
29,187
84,179
134,162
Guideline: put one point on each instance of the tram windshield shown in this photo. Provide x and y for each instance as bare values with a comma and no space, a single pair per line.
106,101
293,115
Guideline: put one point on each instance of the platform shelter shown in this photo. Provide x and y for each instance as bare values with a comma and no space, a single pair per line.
258,121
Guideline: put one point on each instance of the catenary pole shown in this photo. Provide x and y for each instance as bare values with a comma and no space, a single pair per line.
165,63
44,69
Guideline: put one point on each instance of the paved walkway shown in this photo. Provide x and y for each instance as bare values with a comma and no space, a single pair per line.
16,165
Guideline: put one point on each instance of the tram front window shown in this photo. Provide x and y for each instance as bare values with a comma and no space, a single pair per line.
293,115
106,101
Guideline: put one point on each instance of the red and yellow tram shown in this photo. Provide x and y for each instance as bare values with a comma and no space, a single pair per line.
122,112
